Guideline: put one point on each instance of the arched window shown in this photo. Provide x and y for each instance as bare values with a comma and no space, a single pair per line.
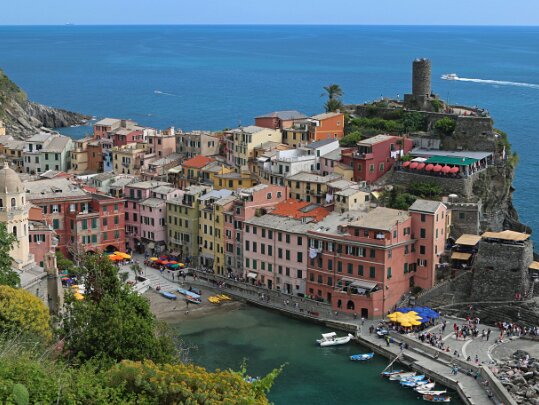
350,305
1,203
15,231
339,304
13,202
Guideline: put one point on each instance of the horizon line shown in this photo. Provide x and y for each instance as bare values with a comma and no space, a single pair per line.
71,24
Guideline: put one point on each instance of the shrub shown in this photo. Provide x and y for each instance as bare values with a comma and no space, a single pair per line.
445,126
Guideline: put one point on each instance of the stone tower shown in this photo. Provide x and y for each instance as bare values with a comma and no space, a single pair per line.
14,211
421,78
54,285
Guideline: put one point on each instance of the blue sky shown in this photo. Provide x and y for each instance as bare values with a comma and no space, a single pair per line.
406,12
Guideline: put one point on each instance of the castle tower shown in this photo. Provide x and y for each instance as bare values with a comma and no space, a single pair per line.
421,77
14,211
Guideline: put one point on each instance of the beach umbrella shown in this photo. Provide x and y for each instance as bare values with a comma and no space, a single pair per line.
446,169
454,169
406,164
153,259
65,278
173,266
406,324
173,262
429,167
421,166
415,323
181,264
78,296
413,165
163,257
437,168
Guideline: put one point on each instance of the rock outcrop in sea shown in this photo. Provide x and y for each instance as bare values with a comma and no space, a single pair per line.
23,118
520,376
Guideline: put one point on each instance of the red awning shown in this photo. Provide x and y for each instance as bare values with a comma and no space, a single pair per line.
437,168
454,169
406,164
446,169
429,167
414,165
421,166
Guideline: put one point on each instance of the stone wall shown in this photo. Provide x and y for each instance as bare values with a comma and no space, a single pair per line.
447,291
501,270
463,187
465,218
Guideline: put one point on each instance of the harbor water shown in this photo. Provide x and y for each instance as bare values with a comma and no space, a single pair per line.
312,375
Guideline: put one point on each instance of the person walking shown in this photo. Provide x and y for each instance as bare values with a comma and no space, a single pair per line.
388,340
488,334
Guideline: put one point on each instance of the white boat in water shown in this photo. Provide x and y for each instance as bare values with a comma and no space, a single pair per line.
402,376
331,339
450,76
424,388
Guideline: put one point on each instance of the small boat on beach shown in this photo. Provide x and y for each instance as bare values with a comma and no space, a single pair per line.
436,398
402,376
190,296
331,339
422,389
168,295
362,357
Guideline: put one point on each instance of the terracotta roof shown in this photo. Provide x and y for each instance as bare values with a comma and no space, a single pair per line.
198,162
506,235
300,209
468,240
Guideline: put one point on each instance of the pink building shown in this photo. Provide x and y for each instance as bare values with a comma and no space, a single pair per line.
276,246
376,156
41,236
256,200
145,212
162,144
363,262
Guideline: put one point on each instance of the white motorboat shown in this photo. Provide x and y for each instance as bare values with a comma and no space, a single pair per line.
450,76
424,387
432,392
331,339
402,376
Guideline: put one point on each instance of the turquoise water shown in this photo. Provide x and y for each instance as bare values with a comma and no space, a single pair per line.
211,77
313,375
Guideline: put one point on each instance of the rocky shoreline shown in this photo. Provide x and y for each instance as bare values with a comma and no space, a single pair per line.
520,376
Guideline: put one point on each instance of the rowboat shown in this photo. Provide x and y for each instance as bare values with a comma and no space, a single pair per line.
331,339
436,398
401,376
422,389
168,295
224,297
388,374
362,357
412,384
190,296
214,299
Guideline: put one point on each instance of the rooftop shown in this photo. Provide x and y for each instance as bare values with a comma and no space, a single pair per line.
103,176
451,160
108,122
506,235
300,209
57,144
450,153
347,192
251,129
427,206
226,200
284,115
280,223
148,184
153,202
198,162
53,188
375,139
319,144
254,189
121,182
333,155
325,116
50,174
468,240
314,178
342,184
39,137
164,189
381,218
216,194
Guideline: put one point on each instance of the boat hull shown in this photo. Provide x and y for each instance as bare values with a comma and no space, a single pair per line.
335,341
168,295
362,357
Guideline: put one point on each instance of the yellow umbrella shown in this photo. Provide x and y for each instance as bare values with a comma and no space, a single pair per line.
126,256
78,296
406,324
153,259
415,323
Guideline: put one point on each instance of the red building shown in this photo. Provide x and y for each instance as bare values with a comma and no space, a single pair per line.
375,156
41,236
363,262
278,119
81,220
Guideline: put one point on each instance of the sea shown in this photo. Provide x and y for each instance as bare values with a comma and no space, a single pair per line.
215,77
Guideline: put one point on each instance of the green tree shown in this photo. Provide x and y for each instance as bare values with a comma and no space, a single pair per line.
113,322
66,265
428,190
414,121
333,105
351,139
333,92
22,313
445,126
7,275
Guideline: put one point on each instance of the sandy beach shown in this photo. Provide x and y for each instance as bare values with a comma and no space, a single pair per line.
177,310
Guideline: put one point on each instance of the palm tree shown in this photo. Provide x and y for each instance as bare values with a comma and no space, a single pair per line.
333,91
333,105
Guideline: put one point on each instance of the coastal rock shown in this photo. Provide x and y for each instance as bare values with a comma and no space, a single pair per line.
530,393
23,118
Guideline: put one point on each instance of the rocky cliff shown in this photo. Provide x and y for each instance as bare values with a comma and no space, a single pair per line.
23,118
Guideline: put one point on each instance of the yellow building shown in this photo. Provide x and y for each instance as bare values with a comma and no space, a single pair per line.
2,128
79,156
192,171
309,187
214,169
233,181
345,171
128,159
207,222
241,142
